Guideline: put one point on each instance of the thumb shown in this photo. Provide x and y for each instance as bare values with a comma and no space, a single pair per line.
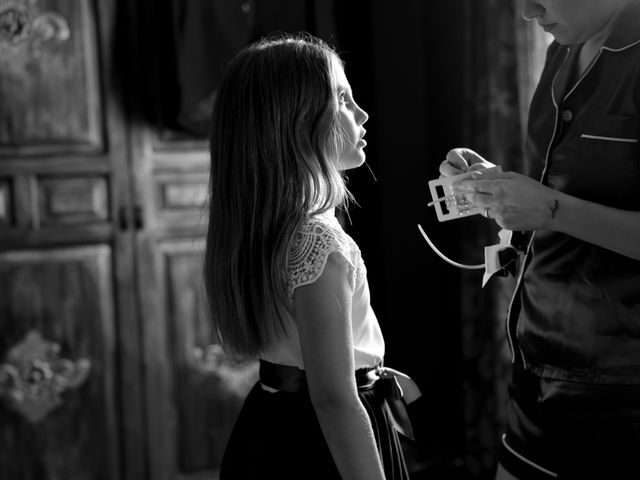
456,157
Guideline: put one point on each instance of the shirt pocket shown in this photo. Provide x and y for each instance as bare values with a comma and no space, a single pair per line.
608,161
611,128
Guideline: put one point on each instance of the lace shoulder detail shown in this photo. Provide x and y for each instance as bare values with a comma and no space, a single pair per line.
317,238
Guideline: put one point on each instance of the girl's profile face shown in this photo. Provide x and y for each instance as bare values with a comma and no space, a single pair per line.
351,120
570,21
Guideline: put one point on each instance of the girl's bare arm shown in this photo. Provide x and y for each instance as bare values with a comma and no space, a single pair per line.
323,316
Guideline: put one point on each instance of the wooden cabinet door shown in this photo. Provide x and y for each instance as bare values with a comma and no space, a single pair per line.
69,370
58,418
109,368
193,392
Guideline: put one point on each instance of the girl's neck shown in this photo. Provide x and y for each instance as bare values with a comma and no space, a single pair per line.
329,213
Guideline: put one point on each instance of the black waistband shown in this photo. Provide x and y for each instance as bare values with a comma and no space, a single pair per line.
291,379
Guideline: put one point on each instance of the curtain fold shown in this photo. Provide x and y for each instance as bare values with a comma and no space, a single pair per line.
208,33
502,61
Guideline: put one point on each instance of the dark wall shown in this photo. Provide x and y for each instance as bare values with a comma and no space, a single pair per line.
405,63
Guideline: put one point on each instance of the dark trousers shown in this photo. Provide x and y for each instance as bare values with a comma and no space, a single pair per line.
574,430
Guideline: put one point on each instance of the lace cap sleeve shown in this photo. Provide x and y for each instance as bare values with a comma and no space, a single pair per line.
310,250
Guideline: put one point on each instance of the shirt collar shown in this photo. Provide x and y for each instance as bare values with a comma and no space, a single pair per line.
627,30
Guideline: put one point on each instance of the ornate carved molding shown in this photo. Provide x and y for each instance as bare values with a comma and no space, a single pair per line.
235,377
21,21
34,378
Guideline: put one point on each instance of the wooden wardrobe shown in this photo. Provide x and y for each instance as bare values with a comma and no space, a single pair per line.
109,368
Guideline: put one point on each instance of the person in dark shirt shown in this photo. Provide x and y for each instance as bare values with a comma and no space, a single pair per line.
574,321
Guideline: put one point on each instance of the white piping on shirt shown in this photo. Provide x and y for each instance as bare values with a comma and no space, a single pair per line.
511,340
269,389
584,74
622,48
526,460
610,139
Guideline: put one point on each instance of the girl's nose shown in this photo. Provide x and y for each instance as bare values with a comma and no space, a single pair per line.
361,116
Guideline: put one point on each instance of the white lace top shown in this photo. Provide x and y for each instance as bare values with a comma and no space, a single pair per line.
318,237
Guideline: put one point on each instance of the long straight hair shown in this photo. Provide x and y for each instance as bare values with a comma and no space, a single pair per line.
274,141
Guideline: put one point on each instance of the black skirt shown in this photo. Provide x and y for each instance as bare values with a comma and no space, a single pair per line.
277,435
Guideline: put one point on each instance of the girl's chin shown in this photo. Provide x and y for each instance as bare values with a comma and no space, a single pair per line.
354,161
350,165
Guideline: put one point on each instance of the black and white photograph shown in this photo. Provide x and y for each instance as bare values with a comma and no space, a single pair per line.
319,240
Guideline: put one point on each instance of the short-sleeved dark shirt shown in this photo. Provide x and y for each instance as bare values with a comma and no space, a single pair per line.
575,314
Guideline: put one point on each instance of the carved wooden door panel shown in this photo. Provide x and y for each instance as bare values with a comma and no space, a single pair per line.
109,368
193,393
69,370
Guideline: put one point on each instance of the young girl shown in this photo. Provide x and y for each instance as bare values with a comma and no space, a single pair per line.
285,283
